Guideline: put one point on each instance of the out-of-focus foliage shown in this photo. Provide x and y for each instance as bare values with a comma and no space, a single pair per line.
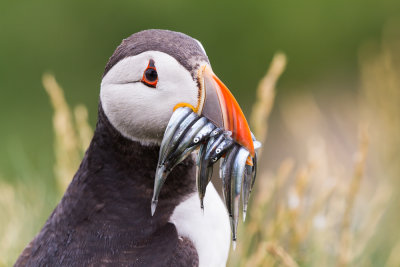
334,200
327,191
26,202
74,40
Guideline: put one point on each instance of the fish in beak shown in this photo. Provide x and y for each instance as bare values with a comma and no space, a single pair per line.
217,128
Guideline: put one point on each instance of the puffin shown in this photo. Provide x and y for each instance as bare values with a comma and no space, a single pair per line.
105,217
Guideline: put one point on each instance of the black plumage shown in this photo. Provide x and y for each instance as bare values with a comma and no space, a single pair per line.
104,217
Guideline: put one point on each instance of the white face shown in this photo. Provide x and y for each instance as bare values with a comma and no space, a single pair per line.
138,111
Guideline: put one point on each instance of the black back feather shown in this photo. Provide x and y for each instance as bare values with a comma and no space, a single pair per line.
104,217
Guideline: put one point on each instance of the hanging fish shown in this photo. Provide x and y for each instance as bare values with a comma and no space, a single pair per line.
186,132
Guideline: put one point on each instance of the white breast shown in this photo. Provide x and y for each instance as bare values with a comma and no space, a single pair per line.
209,232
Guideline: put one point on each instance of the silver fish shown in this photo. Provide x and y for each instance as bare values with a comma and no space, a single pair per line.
204,170
179,133
185,133
222,162
162,170
257,145
246,188
215,132
253,172
159,180
212,146
227,182
238,171
249,177
221,149
200,181
221,167
177,117
184,148
202,135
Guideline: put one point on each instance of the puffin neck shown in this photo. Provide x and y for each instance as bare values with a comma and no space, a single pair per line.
131,153
116,178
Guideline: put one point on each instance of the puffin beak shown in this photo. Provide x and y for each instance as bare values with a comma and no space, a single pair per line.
217,104
215,125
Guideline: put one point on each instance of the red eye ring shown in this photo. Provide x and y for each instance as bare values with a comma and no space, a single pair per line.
150,76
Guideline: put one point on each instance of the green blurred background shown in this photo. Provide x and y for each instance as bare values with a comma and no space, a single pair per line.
74,39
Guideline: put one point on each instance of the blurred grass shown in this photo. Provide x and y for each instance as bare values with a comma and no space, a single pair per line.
26,203
75,38
327,203
72,137
322,213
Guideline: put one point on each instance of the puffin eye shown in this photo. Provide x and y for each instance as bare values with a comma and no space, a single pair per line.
150,76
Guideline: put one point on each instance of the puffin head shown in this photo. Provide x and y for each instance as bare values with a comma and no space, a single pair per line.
152,73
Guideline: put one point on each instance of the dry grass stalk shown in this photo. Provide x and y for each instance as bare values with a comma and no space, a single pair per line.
281,255
245,255
297,207
68,146
369,228
85,132
258,257
380,99
20,206
66,141
7,229
304,214
345,250
266,96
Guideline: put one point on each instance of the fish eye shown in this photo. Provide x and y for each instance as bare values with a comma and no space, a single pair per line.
196,140
218,150
150,76
214,159
215,132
